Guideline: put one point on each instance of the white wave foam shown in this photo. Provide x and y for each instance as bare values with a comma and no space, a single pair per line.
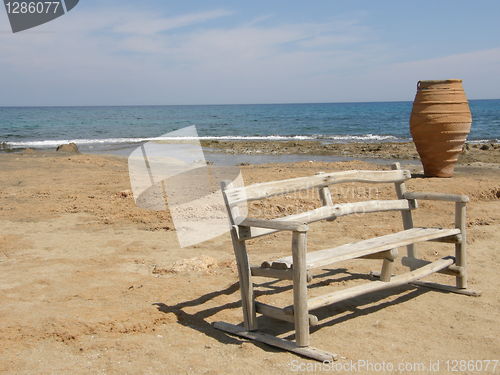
104,141
365,137
491,140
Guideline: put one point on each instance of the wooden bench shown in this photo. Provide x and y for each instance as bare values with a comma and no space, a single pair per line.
298,266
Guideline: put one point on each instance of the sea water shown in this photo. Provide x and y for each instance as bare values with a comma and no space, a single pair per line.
113,127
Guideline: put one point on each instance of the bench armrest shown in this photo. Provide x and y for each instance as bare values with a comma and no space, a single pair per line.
460,206
296,226
437,197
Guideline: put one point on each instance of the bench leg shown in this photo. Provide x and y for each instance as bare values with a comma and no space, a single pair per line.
460,248
385,274
388,265
301,313
245,278
461,280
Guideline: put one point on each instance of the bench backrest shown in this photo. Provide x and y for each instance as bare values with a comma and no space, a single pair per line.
236,196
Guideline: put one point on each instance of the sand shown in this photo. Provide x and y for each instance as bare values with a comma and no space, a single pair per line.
91,284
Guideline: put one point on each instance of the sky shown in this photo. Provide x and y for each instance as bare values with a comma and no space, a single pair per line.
161,52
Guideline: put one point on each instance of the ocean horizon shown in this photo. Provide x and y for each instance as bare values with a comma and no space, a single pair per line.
104,127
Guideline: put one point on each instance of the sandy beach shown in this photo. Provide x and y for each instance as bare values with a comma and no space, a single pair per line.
91,284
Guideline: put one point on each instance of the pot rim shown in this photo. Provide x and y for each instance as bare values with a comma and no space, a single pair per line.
440,81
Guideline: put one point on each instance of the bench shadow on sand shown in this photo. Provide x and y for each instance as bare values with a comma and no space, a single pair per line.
328,316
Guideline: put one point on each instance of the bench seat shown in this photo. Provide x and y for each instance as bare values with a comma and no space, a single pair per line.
320,258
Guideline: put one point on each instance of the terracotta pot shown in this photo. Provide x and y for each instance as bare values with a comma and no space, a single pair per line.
439,123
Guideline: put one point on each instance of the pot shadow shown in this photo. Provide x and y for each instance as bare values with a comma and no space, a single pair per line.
420,175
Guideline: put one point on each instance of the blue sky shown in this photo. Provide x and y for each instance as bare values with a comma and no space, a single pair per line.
221,52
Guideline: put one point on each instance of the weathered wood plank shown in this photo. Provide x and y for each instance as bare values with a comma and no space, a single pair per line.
321,213
437,196
414,263
310,352
388,265
271,273
272,188
447,288
325,196
374,286
276,274
303,217
245,278
431,285
232,211
406,216
273,224
261,227
316,259
278,313
363,207
301,314
460,248
326,199
253,232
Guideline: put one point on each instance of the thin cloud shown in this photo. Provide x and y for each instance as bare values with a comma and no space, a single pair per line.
150,24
